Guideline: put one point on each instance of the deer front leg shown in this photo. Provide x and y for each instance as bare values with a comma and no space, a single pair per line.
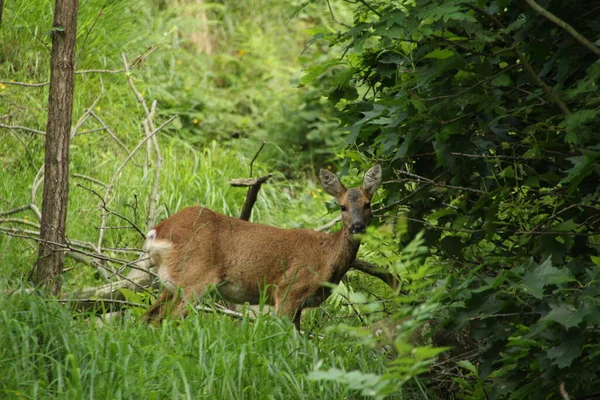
288,306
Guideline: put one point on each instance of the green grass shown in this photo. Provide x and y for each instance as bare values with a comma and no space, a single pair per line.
47,352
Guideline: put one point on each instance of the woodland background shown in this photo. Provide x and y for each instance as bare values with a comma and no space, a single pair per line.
483,114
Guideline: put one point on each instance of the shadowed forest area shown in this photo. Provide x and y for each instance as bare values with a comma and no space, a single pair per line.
477,278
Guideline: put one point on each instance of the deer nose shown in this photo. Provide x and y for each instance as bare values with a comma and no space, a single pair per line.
358,227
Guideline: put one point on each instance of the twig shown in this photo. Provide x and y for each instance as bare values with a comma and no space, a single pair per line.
370,8
87,112
555,20
222,310
19,221
154,195
450,96
118,172
113,301
419,178
100,71
333,16
37,181
555,99
25,84
89,178
103,205
148,129
561,388
110,132
23,128
328,225
15,210
256,155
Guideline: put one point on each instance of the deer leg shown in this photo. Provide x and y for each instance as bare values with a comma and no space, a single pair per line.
286,306
156,312
191,294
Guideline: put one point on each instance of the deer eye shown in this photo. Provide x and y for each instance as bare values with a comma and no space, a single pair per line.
367,206
343,208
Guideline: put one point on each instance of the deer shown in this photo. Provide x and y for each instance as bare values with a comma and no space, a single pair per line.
197,250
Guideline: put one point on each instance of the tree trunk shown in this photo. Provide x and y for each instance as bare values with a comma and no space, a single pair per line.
48,268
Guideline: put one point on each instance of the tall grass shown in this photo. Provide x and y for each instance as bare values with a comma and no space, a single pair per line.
46,353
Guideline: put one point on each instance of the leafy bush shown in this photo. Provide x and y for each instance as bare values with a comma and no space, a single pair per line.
486,115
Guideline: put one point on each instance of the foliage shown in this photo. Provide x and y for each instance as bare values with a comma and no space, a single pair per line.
487,116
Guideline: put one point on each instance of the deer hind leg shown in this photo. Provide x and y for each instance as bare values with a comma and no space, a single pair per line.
191,294
156,313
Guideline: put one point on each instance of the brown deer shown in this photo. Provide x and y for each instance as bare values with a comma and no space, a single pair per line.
197,248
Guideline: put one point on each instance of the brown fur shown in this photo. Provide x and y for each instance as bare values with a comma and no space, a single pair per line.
196,248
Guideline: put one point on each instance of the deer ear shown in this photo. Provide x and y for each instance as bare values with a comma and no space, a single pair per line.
372,180
331,183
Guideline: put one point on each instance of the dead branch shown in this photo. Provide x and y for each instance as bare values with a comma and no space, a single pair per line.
23,128
15,210
89,178
109,187
103,205
256,155
109,131
84,117
253,185
329,224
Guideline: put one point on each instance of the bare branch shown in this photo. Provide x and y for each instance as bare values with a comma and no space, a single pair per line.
109,131
329,224
252,195
555,20
256,155
89,178
25,84
526,65
117,173
15,210
23,128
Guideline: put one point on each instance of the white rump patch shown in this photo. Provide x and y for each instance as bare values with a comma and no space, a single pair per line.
150,236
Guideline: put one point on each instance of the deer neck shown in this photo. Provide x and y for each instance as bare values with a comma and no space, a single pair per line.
347,247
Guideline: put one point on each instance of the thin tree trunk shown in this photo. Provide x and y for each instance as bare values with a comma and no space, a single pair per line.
48,269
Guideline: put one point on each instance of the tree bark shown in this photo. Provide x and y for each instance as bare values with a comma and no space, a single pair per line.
47,270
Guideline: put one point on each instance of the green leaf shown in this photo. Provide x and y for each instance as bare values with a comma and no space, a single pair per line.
564,354
539,276
466,364
566,315
566,226
315,71
440,54
582,167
